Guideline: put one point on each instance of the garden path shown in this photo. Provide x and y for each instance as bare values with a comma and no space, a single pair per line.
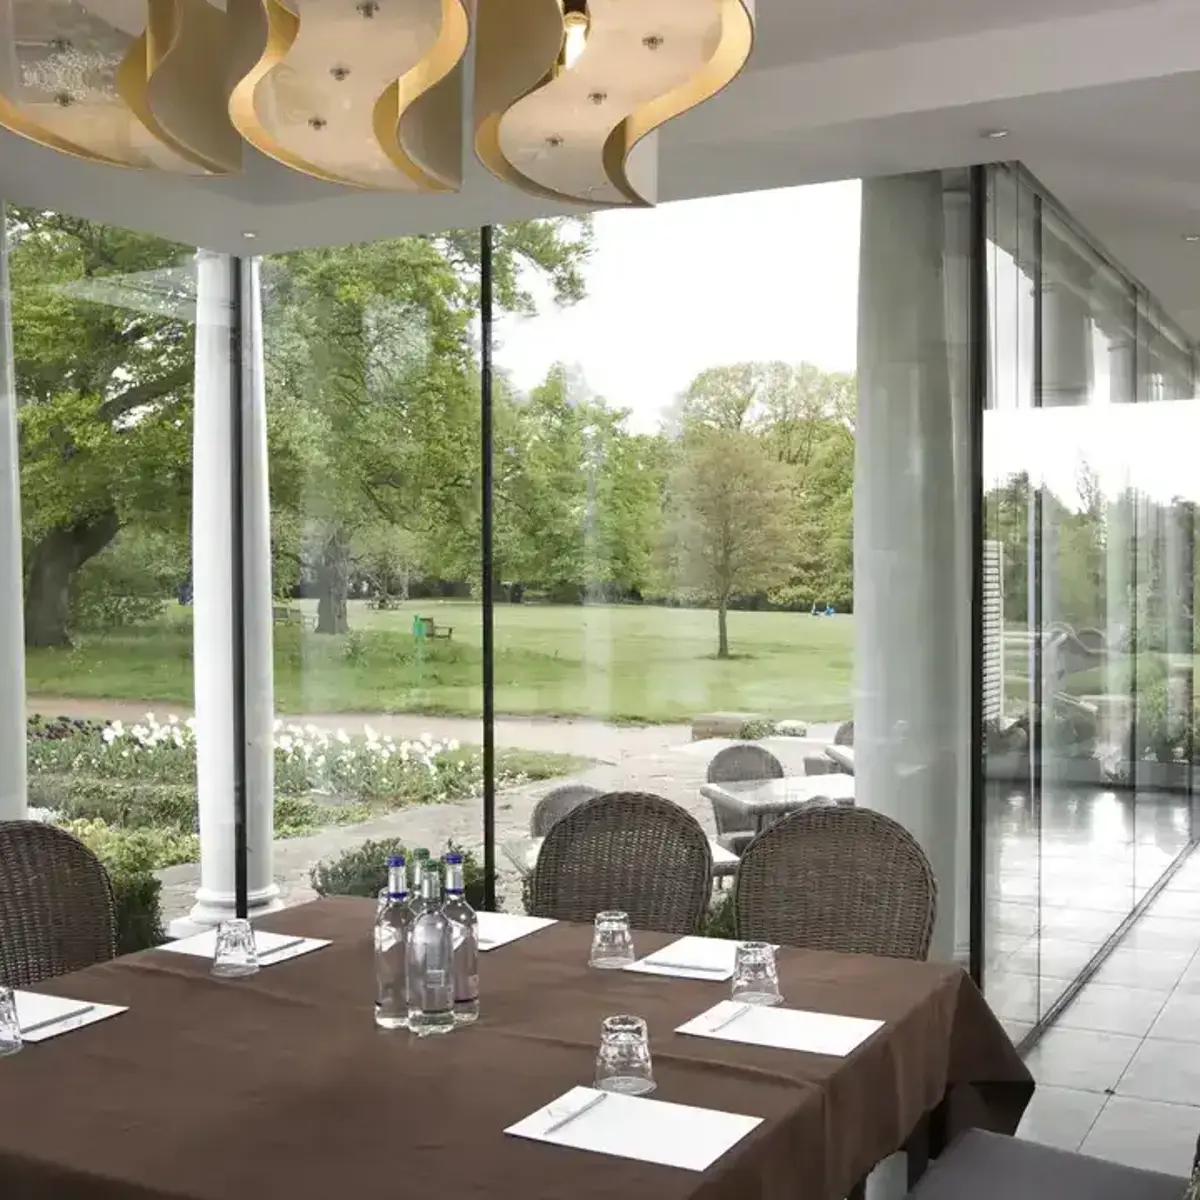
674,770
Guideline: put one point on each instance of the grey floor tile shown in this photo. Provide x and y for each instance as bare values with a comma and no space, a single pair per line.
1176,903
1159,970
1162,1070
1164,933
1060,1116
1179,1020
1111,1008
1142,1133
1081,1058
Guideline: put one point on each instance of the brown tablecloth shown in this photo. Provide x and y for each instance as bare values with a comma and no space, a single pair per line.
281,1086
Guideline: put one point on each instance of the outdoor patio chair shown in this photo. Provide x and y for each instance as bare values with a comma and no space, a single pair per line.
56,904
845,734
987,1166
846,879
736,764
630,851
556,803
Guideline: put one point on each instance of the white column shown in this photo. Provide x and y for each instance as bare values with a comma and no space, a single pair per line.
912,673
13,794
212,516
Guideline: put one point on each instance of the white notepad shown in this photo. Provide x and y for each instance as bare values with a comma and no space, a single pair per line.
782,1028
41,1017
691,958
498,929
272,947
656,1131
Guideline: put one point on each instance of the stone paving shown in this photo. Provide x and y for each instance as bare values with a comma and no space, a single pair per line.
657,759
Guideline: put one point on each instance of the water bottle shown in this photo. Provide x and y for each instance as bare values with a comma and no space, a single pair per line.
466,943
420,857
393,924
430,960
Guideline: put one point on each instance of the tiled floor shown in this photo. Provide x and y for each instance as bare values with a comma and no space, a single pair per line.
1119,1074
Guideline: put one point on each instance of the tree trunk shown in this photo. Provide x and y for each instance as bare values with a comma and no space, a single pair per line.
52,567
333,584
722,630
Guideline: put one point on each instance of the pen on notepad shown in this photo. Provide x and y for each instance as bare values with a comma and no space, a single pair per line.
596,1099
49,1021
742,1010
281,947
705,968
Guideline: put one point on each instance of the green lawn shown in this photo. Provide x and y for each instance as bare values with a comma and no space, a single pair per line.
619,662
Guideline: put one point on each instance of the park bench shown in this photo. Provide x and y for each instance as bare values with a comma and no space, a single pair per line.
426,627
285,614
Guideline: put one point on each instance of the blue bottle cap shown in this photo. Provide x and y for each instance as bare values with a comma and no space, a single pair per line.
454,859
395,860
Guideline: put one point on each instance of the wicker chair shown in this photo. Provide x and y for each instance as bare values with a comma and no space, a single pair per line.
845,734
848,879
735,764
556,803
56,904
630,851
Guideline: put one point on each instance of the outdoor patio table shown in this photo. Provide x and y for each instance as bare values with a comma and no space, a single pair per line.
280,1085
764,801
843,756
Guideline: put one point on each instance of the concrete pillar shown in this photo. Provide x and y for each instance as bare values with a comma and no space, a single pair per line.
1066,343
912,686
13,793
212,508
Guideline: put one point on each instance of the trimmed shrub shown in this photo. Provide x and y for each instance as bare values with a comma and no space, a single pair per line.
137,897
362,871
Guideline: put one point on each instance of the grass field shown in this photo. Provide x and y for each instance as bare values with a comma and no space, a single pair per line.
623,663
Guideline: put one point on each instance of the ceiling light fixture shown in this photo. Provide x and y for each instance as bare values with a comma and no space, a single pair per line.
249,234
370,93
995,135
1191,237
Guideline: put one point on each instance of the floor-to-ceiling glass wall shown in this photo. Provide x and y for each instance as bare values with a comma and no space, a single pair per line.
372,413
103,345
1089,578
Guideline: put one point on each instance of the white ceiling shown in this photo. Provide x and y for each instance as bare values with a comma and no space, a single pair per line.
1102,98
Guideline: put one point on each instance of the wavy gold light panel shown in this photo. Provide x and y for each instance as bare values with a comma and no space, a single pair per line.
361,92
124,82
584,130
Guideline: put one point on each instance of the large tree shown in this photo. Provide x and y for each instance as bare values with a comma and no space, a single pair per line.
729,528
104,357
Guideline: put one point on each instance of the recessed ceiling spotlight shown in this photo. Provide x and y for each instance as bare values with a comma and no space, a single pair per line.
1191,237
249,235
994,135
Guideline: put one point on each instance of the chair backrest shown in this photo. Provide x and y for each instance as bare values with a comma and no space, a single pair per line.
747,761
556,803
847,879
630,851
56,904
845,734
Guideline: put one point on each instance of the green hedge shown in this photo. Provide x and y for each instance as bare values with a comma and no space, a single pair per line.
137,899
362,871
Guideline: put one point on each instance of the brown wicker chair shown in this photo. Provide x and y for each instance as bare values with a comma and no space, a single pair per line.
56,904
848,879
630,851
733,765
556,803
845,734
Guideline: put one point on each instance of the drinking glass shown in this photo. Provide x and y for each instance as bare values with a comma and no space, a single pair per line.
612,942
755,978
236,952
623,1063
10,1029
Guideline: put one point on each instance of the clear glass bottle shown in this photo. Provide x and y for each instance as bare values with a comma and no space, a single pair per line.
430,960
393,927
466,942
417,861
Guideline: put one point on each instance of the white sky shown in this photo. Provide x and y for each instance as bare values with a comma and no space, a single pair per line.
774,275
700,283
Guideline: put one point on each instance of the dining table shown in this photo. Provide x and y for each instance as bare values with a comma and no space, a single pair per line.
761,802
279,1084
